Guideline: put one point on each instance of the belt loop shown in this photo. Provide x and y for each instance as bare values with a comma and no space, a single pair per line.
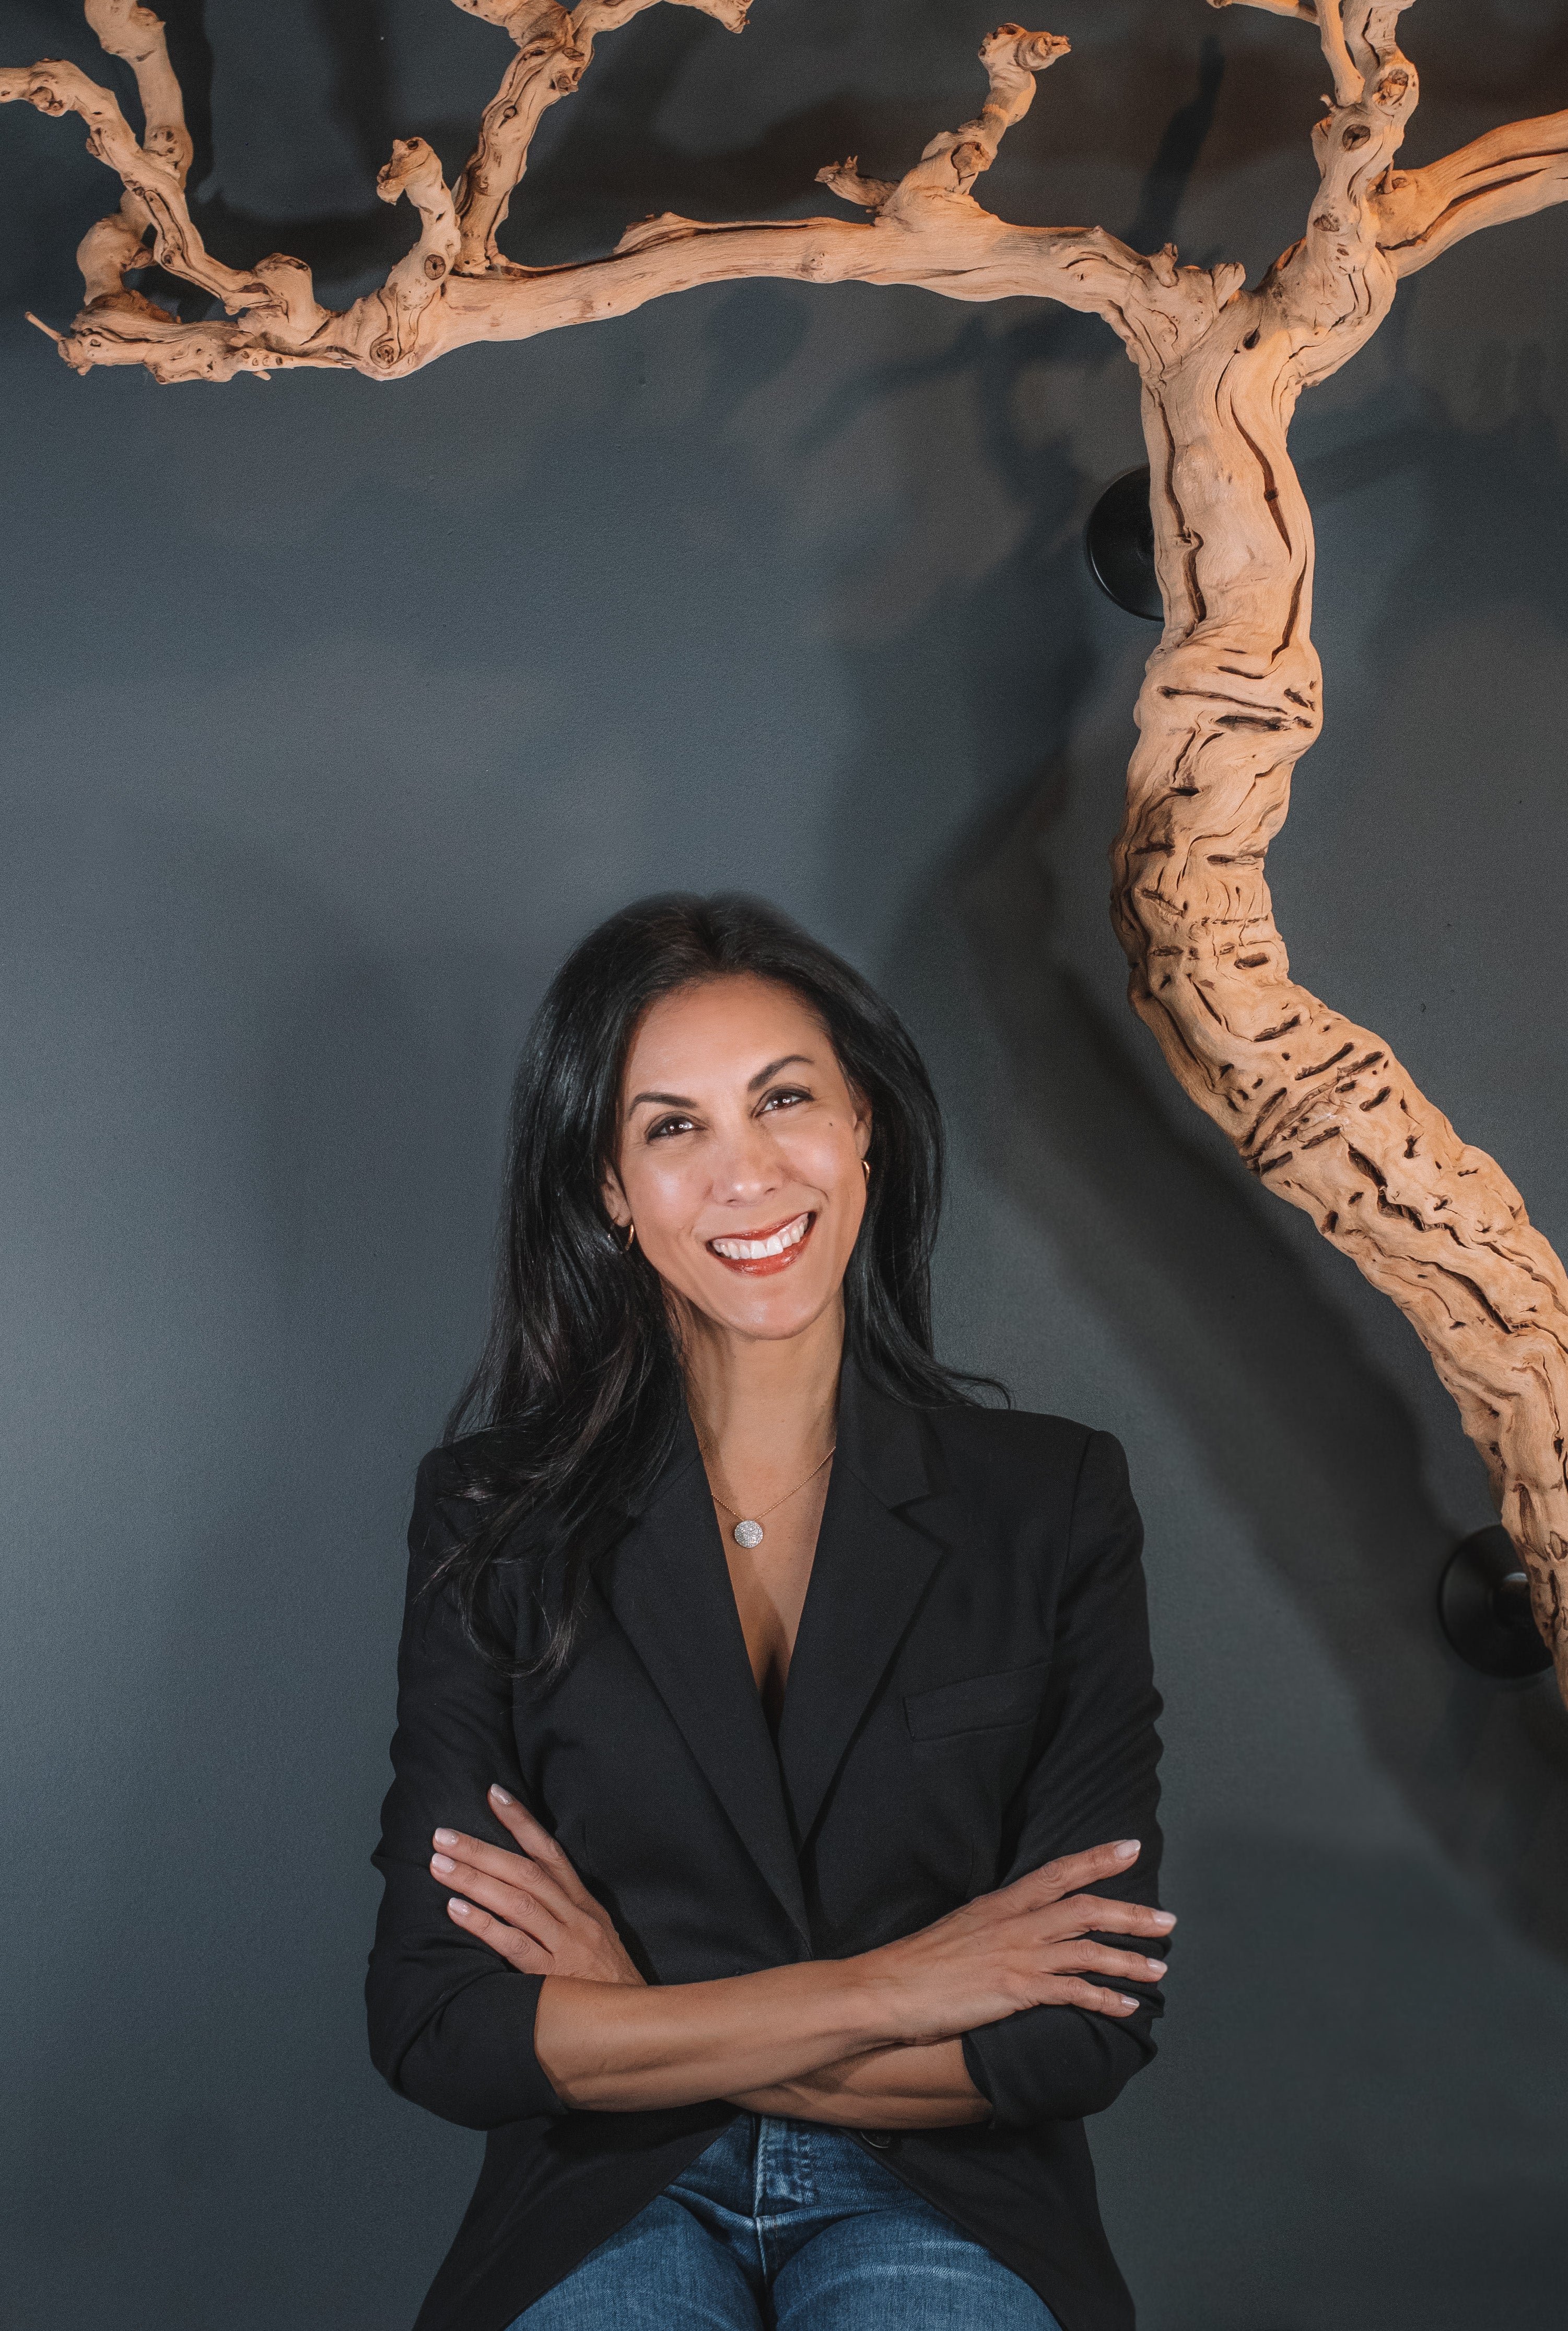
759,2165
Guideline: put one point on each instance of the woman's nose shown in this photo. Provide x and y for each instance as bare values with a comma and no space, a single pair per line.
747,1164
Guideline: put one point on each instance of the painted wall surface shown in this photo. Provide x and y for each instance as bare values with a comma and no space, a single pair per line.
333,714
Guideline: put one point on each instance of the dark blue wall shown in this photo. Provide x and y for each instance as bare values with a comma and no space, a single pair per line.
333,714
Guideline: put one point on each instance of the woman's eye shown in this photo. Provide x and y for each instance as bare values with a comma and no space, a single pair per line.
789,1099
668,1125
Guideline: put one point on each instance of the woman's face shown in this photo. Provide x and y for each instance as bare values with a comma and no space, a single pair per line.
740,1154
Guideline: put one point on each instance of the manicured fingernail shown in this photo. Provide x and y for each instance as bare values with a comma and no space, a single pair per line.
443,1862
498,1793
1155,1966
446,1837
1164,1917
1130,2003
1128,1848
458,1909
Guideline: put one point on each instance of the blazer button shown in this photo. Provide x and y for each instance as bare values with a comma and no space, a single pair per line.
878,2137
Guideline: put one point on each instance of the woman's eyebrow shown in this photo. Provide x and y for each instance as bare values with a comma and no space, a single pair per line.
772,1068
763,1076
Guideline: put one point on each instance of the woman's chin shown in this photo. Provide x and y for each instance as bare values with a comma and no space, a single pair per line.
770,1310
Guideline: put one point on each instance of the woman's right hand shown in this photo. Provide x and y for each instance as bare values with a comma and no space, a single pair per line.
1025,1945
530,1907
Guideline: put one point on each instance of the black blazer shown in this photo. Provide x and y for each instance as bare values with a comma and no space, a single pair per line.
969,1696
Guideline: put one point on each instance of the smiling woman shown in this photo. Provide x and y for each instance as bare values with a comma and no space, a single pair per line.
771,1864
746,1187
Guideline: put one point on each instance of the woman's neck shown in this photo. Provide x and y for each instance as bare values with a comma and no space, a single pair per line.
764,1410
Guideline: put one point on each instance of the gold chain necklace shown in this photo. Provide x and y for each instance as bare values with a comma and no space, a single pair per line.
748,1529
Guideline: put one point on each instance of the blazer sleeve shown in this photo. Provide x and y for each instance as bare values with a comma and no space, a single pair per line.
451,2026
1093,1780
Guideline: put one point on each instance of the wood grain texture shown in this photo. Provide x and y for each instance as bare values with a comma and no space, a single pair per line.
1317,1109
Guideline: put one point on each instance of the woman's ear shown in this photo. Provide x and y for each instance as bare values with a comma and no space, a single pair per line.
862,1129
614,1200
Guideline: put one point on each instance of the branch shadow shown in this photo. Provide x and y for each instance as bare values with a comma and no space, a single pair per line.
1265,1374
598,162
1401,2176
1178,153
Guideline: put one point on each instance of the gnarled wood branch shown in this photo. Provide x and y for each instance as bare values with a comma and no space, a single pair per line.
1508,173
555,49
1317,1108
925,229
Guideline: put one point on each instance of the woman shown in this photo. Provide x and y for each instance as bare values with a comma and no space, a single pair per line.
775,1727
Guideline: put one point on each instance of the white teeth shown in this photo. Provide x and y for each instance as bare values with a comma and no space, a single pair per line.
756,1249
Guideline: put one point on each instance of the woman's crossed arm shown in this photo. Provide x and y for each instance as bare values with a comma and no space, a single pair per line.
869,2042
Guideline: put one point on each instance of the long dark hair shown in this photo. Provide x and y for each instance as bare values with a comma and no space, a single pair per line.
577,1397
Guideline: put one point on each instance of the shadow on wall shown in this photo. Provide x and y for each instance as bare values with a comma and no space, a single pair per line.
1436,2172
1308,1441
598,160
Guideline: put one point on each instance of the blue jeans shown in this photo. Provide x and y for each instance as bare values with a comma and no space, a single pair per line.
781,2224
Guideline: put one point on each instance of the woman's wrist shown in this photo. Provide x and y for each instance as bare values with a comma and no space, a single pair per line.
862,2003
888,2009
614,2046
925,2086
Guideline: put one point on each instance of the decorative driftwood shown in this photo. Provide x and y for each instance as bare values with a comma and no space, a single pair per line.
1317,1108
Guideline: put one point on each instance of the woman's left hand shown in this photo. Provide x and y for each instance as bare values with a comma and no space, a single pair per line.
531,1907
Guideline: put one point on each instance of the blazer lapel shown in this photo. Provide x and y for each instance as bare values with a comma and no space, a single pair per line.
869,1575
668,1584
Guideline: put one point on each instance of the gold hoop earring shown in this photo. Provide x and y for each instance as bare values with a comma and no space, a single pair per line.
866,1170
631,1238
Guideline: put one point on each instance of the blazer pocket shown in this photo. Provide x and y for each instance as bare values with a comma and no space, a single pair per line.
978,1704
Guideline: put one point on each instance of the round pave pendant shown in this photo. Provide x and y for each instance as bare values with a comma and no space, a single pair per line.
747,1533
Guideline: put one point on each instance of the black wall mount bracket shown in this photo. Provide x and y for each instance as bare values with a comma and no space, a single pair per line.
1483,1603
1119,542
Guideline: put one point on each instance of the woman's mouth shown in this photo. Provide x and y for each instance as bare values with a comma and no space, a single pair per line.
765,1250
